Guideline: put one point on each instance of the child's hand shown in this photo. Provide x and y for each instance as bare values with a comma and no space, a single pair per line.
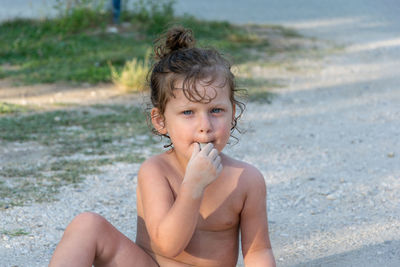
203,167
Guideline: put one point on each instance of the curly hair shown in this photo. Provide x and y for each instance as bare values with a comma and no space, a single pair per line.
177,58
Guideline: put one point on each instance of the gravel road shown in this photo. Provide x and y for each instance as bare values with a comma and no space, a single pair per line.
328,146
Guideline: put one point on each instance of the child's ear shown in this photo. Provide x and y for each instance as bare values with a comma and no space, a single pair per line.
158,121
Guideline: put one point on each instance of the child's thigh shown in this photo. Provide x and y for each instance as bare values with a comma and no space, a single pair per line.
115,249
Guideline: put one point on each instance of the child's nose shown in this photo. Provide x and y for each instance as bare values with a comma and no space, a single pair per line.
205,125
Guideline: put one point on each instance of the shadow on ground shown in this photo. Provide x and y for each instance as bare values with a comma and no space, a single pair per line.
383,254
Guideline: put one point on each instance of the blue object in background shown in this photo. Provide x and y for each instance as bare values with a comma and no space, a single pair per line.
116,10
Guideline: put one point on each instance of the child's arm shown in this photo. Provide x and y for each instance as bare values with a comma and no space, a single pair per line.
171,222
256,246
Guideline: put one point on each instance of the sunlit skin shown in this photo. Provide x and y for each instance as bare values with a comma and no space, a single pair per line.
188,123
191,203
186,219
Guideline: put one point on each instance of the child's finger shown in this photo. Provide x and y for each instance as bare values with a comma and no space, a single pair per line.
206,150
217,161
196,149
213,154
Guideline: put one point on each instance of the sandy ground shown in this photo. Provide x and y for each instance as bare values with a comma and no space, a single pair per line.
328,146
331,160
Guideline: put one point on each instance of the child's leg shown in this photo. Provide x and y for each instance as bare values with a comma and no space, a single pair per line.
91,239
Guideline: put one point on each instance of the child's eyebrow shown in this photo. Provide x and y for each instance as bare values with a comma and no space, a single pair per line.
184,106
193,105
218,104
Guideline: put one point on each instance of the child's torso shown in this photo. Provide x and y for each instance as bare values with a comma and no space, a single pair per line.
215,240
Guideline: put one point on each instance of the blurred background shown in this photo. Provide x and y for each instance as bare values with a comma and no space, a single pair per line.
325,18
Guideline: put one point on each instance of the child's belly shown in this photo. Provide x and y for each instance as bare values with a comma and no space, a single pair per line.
206,248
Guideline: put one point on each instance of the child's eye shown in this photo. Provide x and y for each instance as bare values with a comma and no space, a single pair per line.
216,110
187,112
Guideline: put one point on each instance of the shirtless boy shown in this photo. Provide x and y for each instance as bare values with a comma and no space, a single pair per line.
193,201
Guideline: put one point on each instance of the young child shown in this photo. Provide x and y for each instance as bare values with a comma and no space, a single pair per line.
193,200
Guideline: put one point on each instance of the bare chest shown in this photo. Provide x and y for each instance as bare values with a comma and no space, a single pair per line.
221,204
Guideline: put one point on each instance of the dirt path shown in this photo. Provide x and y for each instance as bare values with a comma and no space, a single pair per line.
329,148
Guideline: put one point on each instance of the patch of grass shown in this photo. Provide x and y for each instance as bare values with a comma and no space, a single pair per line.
130,158
46,57
258,90
7,108
77,15
72,50
41,183
152,16
95,126
19,191
73,171
260,96
20,171
98,135
26,185
132,77
15,233
286,32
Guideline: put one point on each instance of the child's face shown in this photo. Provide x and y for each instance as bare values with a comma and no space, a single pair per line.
189,122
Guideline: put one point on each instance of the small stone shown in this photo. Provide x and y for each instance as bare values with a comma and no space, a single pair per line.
331,197
391,155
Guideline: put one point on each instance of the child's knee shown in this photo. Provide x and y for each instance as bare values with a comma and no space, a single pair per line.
87,222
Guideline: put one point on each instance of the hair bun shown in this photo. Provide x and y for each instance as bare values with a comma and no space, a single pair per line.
175,39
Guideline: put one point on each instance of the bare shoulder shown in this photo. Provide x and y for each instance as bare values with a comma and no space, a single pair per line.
250,177
153,166
152,179
248,172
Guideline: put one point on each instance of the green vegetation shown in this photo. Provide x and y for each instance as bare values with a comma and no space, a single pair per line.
77,131
98,135
28,184
260,91
14,233
44,56
78,47
132,77
6,108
